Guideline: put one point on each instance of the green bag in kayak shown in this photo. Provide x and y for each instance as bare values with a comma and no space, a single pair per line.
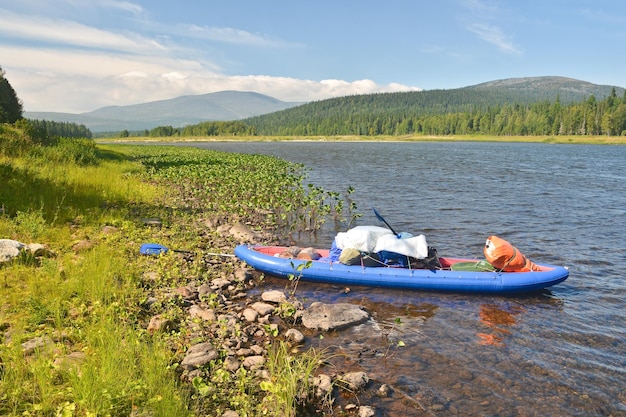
473,266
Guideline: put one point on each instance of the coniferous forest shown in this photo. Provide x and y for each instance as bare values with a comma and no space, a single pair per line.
440,113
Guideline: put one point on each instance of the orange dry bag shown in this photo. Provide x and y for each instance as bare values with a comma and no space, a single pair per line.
506,257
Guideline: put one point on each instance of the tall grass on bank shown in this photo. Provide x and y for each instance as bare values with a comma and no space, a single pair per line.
290,385
81,309
78,310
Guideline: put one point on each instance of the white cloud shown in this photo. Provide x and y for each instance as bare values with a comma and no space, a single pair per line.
229,35
494,36
56,64
123,5
68,33
483,11
76,83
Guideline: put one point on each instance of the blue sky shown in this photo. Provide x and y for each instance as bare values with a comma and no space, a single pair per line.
80,55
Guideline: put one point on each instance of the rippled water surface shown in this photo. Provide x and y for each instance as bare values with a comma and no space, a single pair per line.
557,353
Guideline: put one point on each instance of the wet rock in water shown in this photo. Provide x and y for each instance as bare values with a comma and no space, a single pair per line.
383,391
242,274
366,411
274,296
355,381
323,385
294,336
199,355
320,316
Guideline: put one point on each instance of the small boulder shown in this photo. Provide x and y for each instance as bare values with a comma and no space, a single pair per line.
10,249
326,317
253,362
263,308
199,355
35,344
243,233
294,336
366,411
39,250
231,364
159,323
250,314
82,246
355,381
274,296
196,311
323,385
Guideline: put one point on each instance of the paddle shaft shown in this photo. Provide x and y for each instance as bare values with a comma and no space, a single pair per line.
379,217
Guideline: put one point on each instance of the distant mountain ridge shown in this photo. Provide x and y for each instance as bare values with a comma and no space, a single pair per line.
547,88
259,108
176,112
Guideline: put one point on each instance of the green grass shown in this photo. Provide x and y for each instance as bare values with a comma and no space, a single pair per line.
85,305
82,303
290,385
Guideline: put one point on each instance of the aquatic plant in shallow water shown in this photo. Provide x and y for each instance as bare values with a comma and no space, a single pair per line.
255,189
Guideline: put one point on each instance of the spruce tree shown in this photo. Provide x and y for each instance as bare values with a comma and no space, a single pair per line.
10,105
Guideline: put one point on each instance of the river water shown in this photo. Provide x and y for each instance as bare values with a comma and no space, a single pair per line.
561,352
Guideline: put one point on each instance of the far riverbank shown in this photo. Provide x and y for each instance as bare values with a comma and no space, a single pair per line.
567,139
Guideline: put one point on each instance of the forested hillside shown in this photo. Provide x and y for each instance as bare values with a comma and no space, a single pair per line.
588,117
526,106
506,107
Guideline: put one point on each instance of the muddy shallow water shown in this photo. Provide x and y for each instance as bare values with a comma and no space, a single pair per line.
560,352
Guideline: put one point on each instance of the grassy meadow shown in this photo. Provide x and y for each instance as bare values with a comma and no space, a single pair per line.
74,323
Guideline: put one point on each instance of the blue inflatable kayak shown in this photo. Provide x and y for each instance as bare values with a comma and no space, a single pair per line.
455,275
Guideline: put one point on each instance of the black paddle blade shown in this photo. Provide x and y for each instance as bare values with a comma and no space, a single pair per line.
379,217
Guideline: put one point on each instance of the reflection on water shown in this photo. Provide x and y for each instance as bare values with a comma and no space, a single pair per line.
428,348
498,320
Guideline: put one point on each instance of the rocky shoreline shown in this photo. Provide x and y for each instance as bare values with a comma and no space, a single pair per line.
240,327
227,326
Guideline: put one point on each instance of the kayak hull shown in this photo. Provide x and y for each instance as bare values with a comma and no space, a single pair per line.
264,259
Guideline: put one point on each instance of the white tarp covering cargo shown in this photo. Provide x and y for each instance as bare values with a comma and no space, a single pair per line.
374,239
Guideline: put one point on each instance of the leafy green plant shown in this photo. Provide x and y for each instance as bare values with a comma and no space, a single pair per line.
290,385
31,222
